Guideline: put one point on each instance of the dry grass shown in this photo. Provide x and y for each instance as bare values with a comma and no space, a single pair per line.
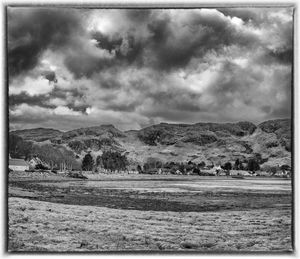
44,226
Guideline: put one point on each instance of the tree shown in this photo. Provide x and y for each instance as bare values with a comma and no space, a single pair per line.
273,170
139,169
196,171
237,164
152,163
87,163
227,167
253,165
99,161
202,164
19,148
114,160
285,167
181,168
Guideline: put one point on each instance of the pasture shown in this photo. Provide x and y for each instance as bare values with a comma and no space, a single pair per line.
150,213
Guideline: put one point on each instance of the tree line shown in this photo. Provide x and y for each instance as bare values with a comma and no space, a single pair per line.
154,164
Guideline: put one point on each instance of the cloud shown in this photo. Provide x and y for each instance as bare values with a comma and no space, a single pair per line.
33,30
85,67
50,76
31,85
35,100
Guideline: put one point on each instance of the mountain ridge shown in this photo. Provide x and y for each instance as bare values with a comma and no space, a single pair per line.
161,123
210,142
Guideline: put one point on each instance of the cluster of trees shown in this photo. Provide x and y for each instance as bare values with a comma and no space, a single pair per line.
252,164
19,148
49,154
108,160
154,164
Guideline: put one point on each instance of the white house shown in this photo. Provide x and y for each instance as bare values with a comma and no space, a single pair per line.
18,164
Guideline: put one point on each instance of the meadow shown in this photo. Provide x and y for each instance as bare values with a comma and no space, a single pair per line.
149,213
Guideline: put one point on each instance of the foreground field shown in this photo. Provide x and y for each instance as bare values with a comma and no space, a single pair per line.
165,214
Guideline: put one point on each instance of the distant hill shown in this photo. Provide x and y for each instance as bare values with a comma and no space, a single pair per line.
38,134
208,142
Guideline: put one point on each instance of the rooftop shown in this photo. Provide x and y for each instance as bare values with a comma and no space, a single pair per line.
16,161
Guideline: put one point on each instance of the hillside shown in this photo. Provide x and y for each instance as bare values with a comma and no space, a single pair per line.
208,142
38,134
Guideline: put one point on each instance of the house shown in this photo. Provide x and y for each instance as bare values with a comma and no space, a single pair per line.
18,164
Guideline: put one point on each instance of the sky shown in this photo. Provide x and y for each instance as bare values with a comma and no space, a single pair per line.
71,68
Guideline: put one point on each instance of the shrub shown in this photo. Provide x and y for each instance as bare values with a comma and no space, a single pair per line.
41,166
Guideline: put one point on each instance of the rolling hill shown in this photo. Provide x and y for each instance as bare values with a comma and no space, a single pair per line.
209,142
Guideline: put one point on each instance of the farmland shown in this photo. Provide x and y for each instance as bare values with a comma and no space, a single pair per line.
146,212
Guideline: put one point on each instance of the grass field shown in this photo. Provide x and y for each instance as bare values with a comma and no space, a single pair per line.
156,213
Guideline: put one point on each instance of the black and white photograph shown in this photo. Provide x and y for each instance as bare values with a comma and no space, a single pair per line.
155,130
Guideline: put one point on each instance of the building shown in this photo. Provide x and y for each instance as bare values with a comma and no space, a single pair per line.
18,164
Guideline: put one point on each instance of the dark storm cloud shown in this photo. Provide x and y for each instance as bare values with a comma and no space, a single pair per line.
36,100
82,65
166,46
32,30
105,42
50,76
71,96
126,48
282,56
63,93
78,108
167,53
169,47
201,33
111,83
130,67
138,15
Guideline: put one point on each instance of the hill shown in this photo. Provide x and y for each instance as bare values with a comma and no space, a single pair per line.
214,143
38,134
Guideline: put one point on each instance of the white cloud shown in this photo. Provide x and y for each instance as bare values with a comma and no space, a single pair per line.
32,86
63,110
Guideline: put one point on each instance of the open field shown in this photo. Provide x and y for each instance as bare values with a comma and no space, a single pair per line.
157,213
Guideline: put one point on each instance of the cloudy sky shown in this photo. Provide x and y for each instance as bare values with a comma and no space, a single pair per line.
72,68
